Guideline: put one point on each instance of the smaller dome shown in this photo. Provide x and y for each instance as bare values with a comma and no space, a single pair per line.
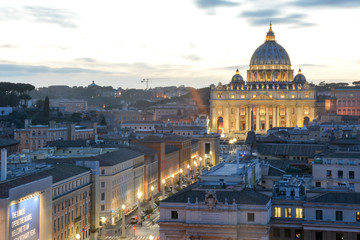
237,78
299,78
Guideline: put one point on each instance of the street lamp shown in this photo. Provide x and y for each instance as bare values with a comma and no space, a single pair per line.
151,237
163,188
188,171
173,183
200,165
181,180
77,236
103,221
152,196
123,231
139,207
211,158
205,160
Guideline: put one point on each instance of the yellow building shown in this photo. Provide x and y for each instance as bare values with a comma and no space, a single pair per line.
271,94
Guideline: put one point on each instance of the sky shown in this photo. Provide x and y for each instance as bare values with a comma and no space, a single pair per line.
172,42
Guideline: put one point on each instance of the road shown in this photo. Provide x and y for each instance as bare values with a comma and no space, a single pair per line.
149,227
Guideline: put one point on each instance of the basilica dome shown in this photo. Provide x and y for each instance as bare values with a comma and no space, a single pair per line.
270,52
299,78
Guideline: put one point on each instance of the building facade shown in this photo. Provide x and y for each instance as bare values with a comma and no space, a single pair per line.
271,97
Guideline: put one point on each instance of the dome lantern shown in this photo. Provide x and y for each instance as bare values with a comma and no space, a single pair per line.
270,36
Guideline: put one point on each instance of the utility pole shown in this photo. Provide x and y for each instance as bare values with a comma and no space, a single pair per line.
146,80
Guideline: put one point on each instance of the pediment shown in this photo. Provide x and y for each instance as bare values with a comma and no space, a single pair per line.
262,97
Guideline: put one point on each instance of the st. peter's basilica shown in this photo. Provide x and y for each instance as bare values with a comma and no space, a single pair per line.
272,96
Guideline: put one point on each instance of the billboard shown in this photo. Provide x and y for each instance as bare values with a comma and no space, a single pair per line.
24,220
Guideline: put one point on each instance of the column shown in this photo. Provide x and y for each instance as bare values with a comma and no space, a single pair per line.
226,119
274,116
257,119
267,118
287,117
299,116
237,118
278,116
247,119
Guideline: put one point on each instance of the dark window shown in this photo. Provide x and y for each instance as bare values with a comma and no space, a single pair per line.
318,236
339,216
251,217
340,174
207,148
339,236
319,214
358,237
317,184
351,174
102,196
102,207
287,233
276,232
174,215
328,173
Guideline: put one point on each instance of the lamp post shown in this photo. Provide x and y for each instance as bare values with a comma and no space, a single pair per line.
188,171
200,165
173,183
163,188
211,158
195,167
181,180
205,158
123,231
103,221
139,207
152,196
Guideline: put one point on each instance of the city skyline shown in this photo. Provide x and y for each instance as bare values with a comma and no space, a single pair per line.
193,43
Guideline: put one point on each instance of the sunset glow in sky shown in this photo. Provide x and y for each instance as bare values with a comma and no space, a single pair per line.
181,42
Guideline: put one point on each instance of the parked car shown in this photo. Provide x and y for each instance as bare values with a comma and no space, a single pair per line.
134,220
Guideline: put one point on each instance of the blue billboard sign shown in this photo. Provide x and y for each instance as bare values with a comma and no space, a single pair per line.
24,220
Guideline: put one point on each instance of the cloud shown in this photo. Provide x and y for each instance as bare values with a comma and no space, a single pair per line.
86,59
214,3
60,17
327,3
7,46
192,57
233,68
312,65
264,17
265,13
23,70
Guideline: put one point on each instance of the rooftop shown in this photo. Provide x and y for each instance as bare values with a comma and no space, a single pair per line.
335,197
7,142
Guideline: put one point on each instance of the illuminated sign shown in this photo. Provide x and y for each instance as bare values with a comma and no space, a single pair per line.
24,220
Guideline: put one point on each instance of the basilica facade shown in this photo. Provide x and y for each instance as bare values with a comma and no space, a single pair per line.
271,96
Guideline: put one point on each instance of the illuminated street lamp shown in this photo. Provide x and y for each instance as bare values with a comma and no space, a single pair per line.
211,157
205,159
152,196
195,169
173,183
188,171
151,237
163,188
123,231
181,180
139,207
200,165
77,236
103,221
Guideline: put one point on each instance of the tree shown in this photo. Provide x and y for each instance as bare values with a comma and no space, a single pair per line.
356,83
46,111
103,121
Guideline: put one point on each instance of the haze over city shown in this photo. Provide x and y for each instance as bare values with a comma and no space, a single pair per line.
194,43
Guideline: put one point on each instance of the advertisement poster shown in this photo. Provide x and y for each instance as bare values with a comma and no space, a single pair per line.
24,220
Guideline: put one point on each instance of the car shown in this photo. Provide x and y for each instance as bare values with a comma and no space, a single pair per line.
134,220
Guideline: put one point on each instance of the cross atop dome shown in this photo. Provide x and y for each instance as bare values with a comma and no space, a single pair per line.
270,36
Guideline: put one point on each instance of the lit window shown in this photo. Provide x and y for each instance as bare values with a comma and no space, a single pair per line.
306,110
288,212
219,95
232,96
242,96
270,95
358,216
254,96
282,95
299,213
277,212
297,234
292,96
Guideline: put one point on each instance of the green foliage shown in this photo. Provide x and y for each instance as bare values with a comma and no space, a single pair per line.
148,211
157,202
12,93
46,110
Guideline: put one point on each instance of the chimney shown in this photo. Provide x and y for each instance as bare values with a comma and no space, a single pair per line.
3,164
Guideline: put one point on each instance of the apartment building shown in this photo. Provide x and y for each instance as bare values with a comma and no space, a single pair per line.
337,170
